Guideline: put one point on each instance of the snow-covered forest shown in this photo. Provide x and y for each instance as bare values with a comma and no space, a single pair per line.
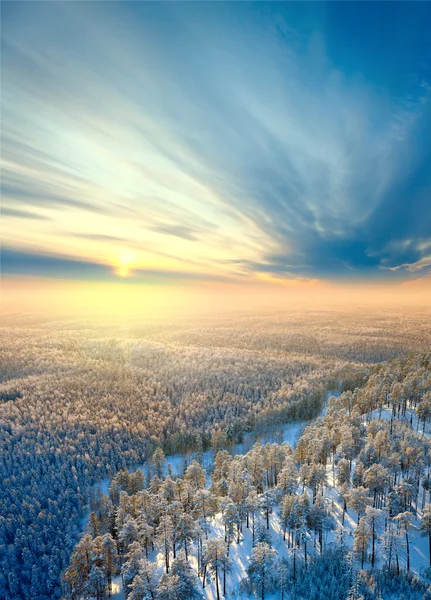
349,506
81,402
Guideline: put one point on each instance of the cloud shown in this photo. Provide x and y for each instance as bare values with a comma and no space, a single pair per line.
99,236
186,233
264,147
420,264
15,262
21,214
28,263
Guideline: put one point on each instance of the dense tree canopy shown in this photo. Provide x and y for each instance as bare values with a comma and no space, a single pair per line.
375,464
80,402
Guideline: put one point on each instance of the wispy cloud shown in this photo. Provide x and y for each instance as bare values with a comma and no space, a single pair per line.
222,126
95,237
14,262
18,213
186,233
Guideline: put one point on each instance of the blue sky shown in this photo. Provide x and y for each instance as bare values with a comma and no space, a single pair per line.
217,141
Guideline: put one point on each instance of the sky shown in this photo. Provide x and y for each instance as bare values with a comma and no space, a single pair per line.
216,144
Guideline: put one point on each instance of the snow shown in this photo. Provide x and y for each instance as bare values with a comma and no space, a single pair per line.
117,589
240,552
289,432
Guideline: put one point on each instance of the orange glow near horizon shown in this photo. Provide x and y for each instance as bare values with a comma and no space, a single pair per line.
128,299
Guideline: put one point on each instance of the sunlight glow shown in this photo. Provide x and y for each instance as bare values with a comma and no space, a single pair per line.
124,263
115,588
236,177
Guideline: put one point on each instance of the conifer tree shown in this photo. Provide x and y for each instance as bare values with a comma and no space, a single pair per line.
425,526
158,461
216,560
374,517
404,520
260,567
361,539
164,535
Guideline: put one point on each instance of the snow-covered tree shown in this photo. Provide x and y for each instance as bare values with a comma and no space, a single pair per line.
217,561
260,567
139,590
358,500
164,535
404,520
425,526
374,517
158,461
362,536
132,564
186,582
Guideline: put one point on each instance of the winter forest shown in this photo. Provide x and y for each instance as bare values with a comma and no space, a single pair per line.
273,456
215,300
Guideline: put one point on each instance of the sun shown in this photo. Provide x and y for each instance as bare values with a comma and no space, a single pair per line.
124,263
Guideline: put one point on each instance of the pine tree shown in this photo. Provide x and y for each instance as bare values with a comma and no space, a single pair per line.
316,477
358,500
222,463
146,533
260,567
267,502
195,476
169,490
376,478
168,588
187,532
358,475
344,494
132,564
425,526
285,512
392,544
109,557
319,520
186,584
343,472
138,590
283,578
426,487
423,411
374,517
129,533
287,481
361,539
77,574
93,525
216,561
230,520
262,534
164,535
175,511
158,462
147,579
136,482
95,586
404,520
252,503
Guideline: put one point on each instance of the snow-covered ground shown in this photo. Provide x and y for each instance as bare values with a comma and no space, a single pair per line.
290,433
240,553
